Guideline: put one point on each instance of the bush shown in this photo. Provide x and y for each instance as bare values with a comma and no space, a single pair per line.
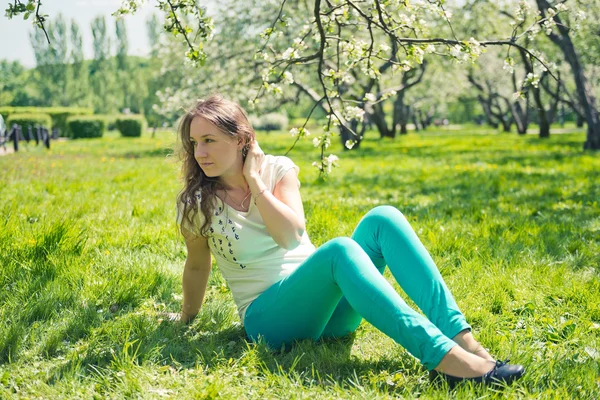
131,125
59,115
86,127
270,122
26,120
254,121
111,121
314,124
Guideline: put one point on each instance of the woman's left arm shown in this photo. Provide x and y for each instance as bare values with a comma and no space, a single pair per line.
282,210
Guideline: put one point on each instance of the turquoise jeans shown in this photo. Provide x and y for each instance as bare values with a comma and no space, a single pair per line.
342,282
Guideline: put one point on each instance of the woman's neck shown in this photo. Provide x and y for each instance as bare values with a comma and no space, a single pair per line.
234,182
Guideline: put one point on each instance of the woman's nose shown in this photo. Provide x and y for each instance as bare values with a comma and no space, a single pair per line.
200,152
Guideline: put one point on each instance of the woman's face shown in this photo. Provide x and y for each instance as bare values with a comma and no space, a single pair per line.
216,153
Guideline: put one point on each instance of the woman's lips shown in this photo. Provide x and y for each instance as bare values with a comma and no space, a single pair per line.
206,164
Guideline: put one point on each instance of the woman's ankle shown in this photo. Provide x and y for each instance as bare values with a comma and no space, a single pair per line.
466,340
461,363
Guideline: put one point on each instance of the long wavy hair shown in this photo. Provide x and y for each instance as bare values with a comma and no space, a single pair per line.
231,120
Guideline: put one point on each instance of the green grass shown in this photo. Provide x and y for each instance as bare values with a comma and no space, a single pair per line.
90,257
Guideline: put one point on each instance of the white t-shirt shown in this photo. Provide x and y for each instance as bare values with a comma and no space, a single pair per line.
248,257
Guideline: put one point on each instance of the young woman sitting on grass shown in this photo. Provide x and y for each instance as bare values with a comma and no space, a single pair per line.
244,208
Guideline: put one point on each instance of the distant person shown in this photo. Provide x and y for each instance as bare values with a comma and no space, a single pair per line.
2,126
244,208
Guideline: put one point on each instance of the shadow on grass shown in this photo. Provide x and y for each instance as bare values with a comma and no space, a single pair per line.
327,362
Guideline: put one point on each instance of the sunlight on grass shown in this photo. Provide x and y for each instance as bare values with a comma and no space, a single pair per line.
91,257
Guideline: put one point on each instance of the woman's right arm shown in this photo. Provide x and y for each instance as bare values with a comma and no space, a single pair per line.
195,275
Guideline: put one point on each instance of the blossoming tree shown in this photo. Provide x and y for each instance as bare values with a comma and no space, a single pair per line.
337,42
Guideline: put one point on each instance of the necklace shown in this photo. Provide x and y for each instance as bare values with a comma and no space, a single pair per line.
241,205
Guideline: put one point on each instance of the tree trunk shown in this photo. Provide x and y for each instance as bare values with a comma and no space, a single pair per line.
403,129
542,115
584,89
400,113
415,119
544,125
346,134
521,117
488,112
378,119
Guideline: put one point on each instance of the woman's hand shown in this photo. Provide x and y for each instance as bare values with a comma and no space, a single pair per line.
254,160
176,318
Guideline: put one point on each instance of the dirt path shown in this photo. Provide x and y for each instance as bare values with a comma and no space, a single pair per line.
6,151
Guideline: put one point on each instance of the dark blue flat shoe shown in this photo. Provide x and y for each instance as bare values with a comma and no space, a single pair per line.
502,373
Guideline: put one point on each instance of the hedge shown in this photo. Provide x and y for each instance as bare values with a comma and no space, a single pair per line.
269,122
26,120
59,115
131,125
86,126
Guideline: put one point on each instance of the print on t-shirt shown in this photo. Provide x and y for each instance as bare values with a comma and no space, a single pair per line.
222,246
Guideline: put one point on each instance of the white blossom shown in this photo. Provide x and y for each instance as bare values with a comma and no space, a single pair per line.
404,19
384,47
548,25
371,97
294,131
289,53
334,120
457,52
522,10
418,53
349,144
299,43
354,113
288,78
370,72
533,79
509,64
533,31
332,158
406,65
266,56
476,48
561,7
330,162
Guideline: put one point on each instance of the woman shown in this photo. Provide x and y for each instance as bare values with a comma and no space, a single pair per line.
244,208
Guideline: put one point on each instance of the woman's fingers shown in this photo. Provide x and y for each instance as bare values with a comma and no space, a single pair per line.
254,159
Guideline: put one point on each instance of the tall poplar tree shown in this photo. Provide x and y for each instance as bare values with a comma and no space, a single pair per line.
79,89
102,77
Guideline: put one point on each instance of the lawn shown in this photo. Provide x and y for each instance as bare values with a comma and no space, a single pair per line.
90,258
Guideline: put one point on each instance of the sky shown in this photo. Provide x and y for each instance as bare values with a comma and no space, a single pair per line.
14,33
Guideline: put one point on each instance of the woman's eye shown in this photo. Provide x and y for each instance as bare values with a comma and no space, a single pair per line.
208,141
